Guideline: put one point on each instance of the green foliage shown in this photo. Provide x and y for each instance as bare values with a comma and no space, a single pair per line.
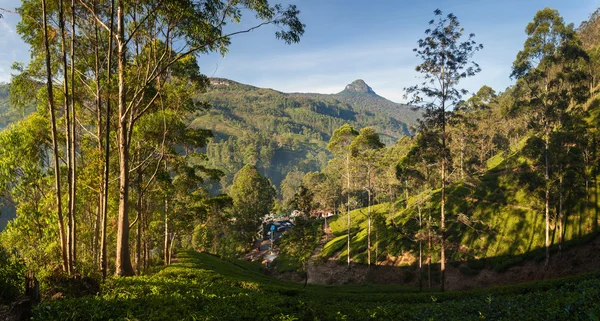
12,277
338,223
333,246
24,183
303,201
298,244
253,197
8,112
495,218
282,133
289,186
341,140
358,230
201,286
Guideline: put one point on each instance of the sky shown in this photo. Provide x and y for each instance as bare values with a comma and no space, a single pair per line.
347,40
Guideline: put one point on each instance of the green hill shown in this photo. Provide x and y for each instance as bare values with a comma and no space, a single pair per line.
494,219
284,132
8,113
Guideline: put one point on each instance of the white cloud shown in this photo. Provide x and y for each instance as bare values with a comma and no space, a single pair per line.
385,68
6,28
4,75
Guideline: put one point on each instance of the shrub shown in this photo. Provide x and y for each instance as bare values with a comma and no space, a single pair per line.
466,270
12,276
476,264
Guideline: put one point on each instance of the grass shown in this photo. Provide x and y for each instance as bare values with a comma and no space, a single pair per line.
205,287
491,217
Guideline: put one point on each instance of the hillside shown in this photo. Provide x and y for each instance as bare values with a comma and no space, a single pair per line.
362,97
494,221
8,113
285,132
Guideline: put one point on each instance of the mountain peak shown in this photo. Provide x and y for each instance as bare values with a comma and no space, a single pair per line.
359,86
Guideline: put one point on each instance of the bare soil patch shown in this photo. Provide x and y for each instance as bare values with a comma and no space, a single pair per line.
393,270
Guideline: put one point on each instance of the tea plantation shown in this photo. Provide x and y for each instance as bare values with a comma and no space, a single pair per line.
204,287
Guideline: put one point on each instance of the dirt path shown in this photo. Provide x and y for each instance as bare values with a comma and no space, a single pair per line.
315,273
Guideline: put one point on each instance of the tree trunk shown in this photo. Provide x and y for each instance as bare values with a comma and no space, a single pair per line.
405,193
462,152
166,245
547,198
560,214
420,250
138,235
429,251
73,203
103,258
67,112
171,242
100,209
595,223
587,192
96,236
305,277
348,204
376,245
369,230
123,261
61,227
443,206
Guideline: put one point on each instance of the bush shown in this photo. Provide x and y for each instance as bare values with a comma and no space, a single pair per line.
408,276
502,264
476,264
12,276
468,271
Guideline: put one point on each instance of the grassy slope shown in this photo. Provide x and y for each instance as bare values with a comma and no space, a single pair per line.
492,218
204,287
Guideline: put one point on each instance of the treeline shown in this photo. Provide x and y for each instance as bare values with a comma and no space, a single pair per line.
107,174
479,169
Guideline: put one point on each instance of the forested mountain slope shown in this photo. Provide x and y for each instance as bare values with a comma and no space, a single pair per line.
8,113
285,132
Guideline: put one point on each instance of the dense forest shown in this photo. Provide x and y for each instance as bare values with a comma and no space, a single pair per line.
122,161
282,133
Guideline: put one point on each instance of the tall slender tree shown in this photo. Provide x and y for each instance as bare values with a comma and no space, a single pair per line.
366,148
340,145
61,228
105,178
168,31
551,49
446,59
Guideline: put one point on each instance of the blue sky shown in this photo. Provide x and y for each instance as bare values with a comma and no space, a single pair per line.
350,39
